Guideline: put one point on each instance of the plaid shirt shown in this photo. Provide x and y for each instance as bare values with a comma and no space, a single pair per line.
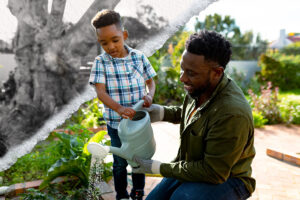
124,79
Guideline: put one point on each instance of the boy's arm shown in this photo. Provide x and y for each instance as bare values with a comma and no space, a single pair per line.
124,112
149,97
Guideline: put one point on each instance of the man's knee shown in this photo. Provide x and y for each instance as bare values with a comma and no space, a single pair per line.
184,191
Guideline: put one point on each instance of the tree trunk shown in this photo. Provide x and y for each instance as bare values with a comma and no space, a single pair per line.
48,61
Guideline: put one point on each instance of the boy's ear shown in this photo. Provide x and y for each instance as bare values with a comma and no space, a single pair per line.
125,34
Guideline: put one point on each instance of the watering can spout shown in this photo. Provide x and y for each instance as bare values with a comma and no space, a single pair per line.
101,151
119,152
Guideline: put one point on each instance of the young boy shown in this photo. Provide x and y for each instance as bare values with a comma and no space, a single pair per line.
119,75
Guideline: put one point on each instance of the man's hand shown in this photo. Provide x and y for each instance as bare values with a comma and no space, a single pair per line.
147,100
156,112
146,166
126,112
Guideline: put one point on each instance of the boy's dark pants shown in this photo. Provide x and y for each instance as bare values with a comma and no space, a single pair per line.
120,172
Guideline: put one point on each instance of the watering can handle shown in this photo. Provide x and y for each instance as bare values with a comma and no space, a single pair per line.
138,105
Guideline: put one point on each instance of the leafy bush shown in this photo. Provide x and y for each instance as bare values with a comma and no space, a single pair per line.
282,70
292,49
290,110
34,165
56,192
169,90
90,115
75,159
259,120
66,156
267,103
36,194
166,61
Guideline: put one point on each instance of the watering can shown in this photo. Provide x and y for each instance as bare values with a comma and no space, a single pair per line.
136,136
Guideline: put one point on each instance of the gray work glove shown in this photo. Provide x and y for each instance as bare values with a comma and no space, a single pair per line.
146,166
156,112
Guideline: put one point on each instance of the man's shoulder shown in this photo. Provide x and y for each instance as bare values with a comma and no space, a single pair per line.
232,101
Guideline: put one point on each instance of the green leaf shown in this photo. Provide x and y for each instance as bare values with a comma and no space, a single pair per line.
65,138
65,167
96,138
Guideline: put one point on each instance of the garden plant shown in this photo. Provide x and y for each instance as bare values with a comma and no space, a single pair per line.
63,154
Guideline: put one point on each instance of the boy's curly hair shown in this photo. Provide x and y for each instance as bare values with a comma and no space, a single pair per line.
105,18
213,46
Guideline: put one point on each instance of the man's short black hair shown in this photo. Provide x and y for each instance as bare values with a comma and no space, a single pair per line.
105,18
213,46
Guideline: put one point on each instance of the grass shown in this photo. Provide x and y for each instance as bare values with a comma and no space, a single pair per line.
293,95
289,92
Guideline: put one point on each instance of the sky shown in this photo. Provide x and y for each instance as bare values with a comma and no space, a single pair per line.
265,17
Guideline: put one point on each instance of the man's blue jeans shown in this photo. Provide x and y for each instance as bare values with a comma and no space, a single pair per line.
120,172
170,188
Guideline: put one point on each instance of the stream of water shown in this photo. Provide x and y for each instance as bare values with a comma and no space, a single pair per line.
95,190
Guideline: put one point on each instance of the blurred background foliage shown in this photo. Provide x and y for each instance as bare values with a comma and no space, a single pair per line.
273,92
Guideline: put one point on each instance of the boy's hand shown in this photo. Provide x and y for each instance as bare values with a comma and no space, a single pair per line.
126,112
147,100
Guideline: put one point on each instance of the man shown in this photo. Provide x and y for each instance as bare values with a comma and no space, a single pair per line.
216,129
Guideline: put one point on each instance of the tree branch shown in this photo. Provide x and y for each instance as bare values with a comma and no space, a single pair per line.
33,13
55,24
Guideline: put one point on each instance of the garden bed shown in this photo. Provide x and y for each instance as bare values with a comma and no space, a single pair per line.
63,151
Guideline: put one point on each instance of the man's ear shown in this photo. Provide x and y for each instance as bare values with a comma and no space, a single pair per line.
125,34
218,72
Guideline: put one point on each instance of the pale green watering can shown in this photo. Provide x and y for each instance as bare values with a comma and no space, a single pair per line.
136,136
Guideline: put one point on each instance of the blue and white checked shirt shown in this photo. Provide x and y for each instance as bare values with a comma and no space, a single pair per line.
124,79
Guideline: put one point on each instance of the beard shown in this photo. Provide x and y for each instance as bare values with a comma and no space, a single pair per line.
200,90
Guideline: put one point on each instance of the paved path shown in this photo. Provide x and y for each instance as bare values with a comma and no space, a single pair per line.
276,180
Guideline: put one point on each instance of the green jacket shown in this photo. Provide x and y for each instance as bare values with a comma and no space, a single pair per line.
217,142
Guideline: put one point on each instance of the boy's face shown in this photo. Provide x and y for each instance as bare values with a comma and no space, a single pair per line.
112,38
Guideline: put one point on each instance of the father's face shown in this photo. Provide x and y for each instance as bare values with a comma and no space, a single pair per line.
195,74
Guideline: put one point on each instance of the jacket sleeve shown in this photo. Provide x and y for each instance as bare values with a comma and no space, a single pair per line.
224,145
